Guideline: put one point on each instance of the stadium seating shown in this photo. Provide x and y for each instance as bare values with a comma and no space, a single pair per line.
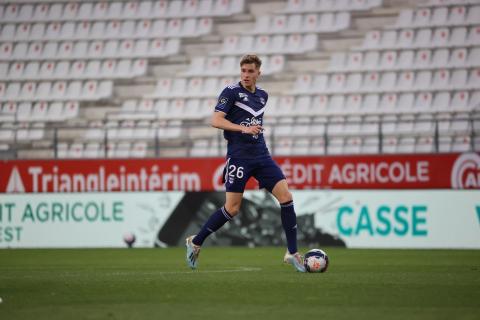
301,23
269,44
155,68
302,6
409,75
120,10
52,50
228,65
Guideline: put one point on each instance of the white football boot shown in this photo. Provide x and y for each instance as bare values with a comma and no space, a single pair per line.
192,252
296,260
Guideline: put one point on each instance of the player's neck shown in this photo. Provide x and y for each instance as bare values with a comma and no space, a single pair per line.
250,88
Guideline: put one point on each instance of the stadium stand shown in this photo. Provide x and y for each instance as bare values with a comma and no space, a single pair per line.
139,78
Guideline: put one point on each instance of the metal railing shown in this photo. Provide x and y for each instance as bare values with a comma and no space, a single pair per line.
160,142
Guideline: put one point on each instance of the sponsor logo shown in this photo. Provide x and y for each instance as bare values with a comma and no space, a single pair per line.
243,96
385,220
222,100
466,172
15,183
252,122
144,179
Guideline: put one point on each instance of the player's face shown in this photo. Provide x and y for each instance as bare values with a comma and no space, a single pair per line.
249,75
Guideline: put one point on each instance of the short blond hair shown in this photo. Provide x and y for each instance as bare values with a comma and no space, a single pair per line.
251,58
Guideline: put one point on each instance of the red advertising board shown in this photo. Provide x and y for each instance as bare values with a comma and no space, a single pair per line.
429,171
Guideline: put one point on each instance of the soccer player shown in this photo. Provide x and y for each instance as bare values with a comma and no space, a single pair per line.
239,112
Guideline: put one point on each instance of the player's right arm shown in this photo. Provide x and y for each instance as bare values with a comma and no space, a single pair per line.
219,122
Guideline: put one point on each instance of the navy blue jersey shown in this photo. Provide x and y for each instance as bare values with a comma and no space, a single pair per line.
244,108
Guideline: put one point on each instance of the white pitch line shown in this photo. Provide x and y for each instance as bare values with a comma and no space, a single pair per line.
120,273
241,269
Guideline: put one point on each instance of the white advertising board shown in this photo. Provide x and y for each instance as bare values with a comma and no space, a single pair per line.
361,219
396,219
83,220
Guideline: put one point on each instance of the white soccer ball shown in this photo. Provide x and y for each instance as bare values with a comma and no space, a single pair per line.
316,260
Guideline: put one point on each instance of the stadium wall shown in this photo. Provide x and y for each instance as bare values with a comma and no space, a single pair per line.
406,171
357,202
349,218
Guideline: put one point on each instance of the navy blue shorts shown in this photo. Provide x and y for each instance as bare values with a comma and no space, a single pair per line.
237,172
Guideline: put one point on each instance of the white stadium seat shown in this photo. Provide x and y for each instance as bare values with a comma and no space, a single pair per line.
70,110
41,11
473,14
458,36
440,58
406,59
388,81
439,16
39,111
422,17
423,37
390,102
139,149
77,69
35,50
114,10
441,102
474,57
3,70
74,90
388,60
110,29
441,79
16,70
98,29
55,111
130,9
85,11
460,100
457,16
83,30
20,50
31,70
458,57
28,91
24,111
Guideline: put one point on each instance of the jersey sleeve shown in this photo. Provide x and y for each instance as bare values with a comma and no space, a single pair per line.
225,101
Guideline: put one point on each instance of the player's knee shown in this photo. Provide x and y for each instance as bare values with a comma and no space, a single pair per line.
285,196
232,209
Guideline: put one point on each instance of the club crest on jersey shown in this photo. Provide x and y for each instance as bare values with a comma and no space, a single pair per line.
262,100
243,96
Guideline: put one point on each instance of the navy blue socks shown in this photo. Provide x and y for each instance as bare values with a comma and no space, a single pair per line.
221,216
289,223
215,222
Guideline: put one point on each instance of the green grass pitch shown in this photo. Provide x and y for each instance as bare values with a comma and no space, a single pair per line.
237,283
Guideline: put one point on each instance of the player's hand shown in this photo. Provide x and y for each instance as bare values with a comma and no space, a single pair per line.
252,130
